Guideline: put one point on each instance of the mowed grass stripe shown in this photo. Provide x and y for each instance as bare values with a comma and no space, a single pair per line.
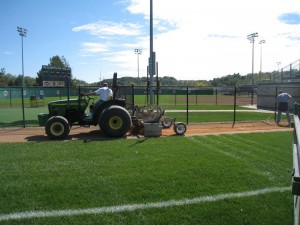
255,151
231,151
247,146
258,143
133,207
207,145
217,143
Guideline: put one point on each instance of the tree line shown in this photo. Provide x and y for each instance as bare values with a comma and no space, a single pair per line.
7,79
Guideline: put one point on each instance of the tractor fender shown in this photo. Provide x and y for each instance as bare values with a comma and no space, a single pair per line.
107,104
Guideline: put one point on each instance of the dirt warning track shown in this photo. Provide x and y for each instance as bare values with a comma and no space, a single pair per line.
37,134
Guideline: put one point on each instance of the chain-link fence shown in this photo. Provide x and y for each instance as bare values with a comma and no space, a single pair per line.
20,107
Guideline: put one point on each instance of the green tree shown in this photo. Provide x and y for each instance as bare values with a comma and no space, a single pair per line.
3,81
58,61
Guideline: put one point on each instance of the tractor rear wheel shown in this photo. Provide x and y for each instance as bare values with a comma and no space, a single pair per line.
57,127
115,121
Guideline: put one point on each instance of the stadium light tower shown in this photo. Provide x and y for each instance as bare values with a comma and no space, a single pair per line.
251,38
278,65
23,33
261,42
138,52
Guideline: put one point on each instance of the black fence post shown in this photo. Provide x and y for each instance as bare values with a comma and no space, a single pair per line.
132,96
234,107
275,107
252,93
216,96
175,97
10,100
187,104
23,108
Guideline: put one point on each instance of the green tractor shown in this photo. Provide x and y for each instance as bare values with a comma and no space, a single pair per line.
111,116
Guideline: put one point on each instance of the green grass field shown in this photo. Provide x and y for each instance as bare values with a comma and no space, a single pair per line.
224,179
166,100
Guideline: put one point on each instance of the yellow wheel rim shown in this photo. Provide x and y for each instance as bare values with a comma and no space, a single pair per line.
115,122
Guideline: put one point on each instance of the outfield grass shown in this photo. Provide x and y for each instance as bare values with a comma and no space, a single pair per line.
13,116
11,113
69,175
179,101
194,99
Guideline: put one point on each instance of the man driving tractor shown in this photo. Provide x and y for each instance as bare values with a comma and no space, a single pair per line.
104,93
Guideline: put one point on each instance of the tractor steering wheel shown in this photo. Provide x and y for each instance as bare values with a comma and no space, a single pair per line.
86,97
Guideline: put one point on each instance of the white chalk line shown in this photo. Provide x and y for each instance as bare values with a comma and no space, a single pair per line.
230,154
133,207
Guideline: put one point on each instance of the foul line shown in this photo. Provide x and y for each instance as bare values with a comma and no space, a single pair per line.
128,208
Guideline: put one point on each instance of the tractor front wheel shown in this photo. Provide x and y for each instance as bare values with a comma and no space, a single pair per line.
115,121
57,127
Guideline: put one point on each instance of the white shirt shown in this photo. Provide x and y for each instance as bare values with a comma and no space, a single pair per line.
104,93
283,97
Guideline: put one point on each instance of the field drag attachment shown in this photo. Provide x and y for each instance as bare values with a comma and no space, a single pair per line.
149,120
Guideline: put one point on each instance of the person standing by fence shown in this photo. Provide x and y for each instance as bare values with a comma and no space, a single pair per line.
283,106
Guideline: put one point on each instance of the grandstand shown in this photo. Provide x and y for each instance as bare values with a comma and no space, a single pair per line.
287,79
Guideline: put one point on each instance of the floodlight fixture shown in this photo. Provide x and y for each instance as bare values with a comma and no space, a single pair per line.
138,51
22,31
261,42
251,37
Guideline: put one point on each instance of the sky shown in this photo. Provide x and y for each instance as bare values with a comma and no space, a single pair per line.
193,39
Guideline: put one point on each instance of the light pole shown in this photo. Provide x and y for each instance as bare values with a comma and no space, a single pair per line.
278,64
261,42
138,52
251,38
23,33
151,66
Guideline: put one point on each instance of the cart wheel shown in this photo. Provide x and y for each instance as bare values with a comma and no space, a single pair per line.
166,123
179,128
